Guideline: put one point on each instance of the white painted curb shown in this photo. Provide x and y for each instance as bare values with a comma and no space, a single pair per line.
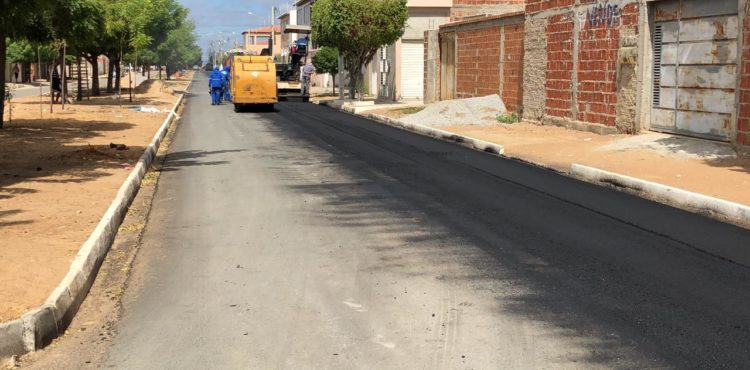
476,144
682,198
38,327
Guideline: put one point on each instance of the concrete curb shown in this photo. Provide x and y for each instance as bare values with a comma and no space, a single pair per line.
735,212
475,144
39,326
698,203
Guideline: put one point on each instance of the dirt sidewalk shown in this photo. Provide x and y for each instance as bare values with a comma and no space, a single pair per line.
695,165
58,174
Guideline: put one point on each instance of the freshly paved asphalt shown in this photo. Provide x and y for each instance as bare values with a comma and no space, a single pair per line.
310,238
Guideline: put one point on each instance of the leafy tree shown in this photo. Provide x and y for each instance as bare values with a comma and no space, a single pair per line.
148,58
19,20
25,52
90,28
326,60
90,38
20,52
180,49
75,24
358,28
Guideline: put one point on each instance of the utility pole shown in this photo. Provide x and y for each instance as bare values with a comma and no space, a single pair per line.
64,86
38,75
273,30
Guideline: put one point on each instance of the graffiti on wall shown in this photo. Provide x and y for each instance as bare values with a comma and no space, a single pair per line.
606,15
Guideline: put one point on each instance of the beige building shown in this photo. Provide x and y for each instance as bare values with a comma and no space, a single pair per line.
397,72
255,40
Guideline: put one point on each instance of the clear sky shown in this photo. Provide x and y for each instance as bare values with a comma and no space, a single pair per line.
217,19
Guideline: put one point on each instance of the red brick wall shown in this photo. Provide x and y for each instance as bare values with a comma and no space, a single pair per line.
486,2
478,69
597,69
533,6
513,68
558,84
595,93
478,65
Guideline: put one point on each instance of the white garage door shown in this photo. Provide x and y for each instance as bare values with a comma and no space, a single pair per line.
412,70
695,67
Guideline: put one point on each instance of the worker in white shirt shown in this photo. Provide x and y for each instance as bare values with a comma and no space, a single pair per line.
307,71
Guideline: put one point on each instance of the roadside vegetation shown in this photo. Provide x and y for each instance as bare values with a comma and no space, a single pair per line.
135,32
326,60
358,29
507,118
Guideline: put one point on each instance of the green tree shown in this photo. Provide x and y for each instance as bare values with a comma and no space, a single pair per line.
19,20
326,60
20,51
76,24
180,48
135,26
147,58
358,28
25,52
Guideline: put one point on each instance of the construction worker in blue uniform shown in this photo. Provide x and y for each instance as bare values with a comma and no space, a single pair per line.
215,84
227,81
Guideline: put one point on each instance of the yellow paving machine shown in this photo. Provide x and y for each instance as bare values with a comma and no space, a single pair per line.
253,81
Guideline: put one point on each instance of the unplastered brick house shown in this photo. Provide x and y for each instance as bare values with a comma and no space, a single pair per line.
676,66
479,53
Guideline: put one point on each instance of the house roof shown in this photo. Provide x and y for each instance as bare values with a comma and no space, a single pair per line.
295,28
263,30
479,19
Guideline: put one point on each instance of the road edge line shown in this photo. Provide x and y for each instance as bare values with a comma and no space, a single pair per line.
466,141
39,326
720,209
731,211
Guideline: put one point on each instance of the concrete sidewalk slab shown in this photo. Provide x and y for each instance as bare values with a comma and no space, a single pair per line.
680,146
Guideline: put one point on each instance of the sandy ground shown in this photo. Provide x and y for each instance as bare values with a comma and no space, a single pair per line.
58,174
395,113
558,148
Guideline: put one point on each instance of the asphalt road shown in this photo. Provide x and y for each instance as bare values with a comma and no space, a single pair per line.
308,238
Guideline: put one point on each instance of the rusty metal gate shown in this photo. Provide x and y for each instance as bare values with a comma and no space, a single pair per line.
695,67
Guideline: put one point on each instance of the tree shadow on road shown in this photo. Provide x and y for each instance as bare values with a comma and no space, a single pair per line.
614,292
191,158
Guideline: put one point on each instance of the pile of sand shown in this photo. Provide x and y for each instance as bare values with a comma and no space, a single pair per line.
472,111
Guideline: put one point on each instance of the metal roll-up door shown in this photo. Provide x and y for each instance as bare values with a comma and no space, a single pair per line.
412,69
695,67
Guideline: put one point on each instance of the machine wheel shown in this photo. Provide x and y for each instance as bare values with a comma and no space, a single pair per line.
237,108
